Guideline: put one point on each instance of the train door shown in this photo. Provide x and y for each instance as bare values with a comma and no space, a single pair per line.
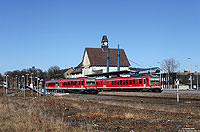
58,84
104,83
144,80
82,83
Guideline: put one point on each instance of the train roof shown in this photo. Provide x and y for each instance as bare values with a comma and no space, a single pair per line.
128,77
69,79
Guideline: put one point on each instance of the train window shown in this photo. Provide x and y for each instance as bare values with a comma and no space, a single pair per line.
144,81
109,83
147,80
140,81
104,82
117,82
120,82
130,81
82,82
75,82
112,82
133,81
124,82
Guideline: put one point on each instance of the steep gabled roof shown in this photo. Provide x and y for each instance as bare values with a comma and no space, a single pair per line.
98,57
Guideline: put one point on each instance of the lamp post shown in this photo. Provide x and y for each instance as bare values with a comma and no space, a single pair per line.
197,78
6,84
27,79
31,80
190,71
41,81
23,78
37,79
31,85
16,82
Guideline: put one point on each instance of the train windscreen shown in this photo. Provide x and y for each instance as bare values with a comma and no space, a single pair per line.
90,82
155,81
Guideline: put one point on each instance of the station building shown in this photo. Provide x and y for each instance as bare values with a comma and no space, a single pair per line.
94,60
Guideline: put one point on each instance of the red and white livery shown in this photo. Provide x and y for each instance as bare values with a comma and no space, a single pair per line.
82,85
139,83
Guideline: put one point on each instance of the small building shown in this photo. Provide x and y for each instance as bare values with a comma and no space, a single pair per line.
94,60
67,72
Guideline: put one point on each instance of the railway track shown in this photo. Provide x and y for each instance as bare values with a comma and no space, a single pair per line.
150,97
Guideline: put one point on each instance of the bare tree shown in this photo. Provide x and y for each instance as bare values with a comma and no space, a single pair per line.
170,65
54,72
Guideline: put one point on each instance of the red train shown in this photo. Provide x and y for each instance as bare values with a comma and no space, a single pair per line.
92,85
140,83
82,85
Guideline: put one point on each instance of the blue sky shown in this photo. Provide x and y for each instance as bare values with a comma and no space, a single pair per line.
43,33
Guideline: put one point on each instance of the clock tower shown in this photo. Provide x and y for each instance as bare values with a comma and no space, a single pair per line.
104,43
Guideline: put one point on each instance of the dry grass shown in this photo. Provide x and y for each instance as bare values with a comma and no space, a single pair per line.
79,113
18,115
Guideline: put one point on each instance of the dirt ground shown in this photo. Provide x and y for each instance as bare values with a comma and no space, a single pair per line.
98,113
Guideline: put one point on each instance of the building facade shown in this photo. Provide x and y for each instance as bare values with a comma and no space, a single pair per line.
95,60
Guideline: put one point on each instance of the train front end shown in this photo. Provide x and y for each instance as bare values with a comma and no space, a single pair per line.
155,84
90,86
